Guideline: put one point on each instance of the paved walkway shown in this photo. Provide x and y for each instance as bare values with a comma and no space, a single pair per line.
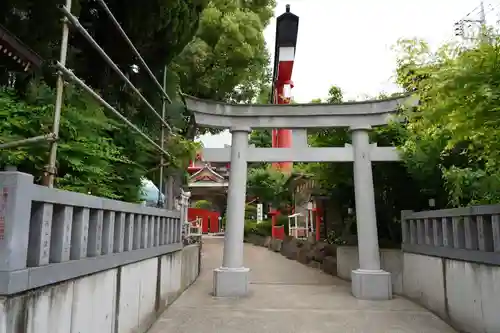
287,297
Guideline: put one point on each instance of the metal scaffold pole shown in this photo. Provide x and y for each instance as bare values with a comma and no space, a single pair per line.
36,139
50,170
162,137
72,77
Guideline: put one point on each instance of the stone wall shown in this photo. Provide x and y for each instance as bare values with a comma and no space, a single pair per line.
391,260
452,264
465,294
126,299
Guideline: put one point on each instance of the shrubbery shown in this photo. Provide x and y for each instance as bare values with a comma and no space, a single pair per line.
261,229
203,204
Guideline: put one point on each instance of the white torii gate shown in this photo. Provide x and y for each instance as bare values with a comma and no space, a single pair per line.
368,281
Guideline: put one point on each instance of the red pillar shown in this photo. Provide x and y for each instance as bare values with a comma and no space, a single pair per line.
274,218
317,213
282,138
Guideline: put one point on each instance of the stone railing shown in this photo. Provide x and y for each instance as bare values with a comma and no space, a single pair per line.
49,235
470,234
451,264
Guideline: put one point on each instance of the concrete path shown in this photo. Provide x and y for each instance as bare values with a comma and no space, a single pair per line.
287,297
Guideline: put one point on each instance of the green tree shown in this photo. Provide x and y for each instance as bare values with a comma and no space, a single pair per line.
227,60
264,94
269,185
166,33
159,29
452,136
335,95
250,212
395,189
89,161
261,138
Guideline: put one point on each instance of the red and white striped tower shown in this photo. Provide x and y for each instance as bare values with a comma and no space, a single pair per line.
287,26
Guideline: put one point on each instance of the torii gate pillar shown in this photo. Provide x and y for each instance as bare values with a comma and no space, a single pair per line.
368,281
231,279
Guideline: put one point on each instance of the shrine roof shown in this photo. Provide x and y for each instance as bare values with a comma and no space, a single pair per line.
206,168
15,49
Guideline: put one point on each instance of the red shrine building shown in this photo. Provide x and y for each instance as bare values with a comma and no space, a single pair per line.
208,181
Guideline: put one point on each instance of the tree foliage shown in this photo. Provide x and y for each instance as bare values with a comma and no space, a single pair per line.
452,137
269,185
89,159
227,60
261,138
213,49
334,179
449,142
394,187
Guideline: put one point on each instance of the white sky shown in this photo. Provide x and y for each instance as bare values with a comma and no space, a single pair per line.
348,43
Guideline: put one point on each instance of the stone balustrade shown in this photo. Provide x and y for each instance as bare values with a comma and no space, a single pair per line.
49,235
471,234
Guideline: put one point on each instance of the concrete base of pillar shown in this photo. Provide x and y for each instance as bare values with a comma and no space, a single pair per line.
371,285
231,282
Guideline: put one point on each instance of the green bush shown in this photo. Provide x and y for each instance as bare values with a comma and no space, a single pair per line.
250,212
264,228
203,204
261,229
250,227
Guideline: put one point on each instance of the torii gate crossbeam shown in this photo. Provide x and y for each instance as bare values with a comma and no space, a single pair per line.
299,154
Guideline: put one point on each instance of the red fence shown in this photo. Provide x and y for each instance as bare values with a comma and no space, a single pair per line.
209,219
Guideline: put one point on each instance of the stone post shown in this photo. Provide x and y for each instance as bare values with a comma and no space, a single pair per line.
15,212
184,218
169,193
231,279
369,281
185,205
